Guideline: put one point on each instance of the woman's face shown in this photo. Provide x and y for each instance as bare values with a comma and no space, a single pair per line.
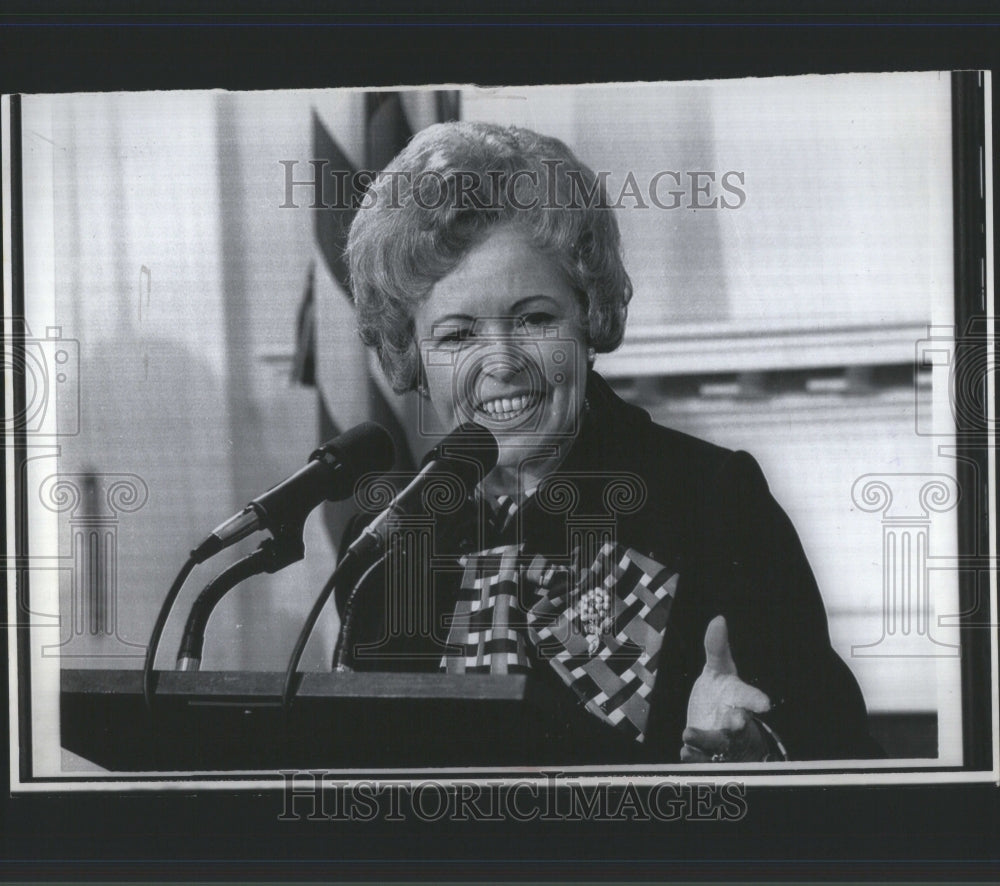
502,340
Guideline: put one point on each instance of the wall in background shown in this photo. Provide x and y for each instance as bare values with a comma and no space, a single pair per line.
180,277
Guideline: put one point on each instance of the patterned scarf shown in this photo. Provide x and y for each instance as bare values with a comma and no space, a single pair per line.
598,625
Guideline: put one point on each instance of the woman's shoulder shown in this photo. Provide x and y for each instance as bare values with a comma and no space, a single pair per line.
636,439
700,476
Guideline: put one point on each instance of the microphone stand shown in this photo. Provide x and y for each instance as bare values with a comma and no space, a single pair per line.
346,633
349,572
448,539
285,548
273,554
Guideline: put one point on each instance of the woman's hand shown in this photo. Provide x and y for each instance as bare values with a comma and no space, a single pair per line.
720,723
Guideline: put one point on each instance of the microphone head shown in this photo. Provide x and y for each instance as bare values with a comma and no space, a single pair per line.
467,455
364,449
470,444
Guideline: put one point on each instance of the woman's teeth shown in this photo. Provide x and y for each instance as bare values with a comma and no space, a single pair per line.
504,408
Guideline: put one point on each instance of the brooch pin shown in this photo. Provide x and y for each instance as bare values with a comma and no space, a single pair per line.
595,616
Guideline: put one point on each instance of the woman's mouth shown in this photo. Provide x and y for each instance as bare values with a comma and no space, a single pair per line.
508,408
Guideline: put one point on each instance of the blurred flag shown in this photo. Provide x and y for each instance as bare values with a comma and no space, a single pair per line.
354,132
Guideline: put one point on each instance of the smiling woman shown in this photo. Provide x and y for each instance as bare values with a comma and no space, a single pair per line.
490,332
647,576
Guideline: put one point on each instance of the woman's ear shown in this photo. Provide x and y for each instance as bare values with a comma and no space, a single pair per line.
421,385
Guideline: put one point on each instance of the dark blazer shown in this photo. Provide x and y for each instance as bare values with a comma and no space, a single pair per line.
707,513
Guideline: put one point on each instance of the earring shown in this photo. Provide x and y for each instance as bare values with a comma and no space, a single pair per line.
422,391
591,355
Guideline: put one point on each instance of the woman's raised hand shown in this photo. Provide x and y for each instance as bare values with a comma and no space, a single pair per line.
720,722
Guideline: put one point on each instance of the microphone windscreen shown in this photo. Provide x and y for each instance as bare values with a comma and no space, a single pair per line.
469,443
364,449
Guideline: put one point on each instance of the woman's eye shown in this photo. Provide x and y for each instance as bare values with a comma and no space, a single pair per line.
537,318
454,336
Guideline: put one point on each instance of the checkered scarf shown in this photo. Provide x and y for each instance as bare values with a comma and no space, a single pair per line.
599,626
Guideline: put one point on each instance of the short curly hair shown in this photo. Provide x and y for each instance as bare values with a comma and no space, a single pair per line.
443,194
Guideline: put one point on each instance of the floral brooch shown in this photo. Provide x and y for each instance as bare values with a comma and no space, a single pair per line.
595,616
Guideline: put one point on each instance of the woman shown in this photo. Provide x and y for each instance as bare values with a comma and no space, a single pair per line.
644,574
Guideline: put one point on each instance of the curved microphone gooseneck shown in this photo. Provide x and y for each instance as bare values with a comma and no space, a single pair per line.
273,555
329,475
154,637
468,454
347,572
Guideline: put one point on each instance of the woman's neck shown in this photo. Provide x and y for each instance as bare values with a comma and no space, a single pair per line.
519,479
522,475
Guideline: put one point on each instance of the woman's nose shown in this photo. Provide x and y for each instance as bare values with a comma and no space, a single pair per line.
502,366
503,355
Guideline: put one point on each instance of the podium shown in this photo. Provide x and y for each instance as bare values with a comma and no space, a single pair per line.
228,721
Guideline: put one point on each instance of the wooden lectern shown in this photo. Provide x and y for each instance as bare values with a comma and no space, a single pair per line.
212,721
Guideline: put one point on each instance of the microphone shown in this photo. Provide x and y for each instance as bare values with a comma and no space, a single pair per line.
468,453
330,475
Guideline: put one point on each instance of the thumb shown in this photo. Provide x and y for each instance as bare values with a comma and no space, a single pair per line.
718,656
